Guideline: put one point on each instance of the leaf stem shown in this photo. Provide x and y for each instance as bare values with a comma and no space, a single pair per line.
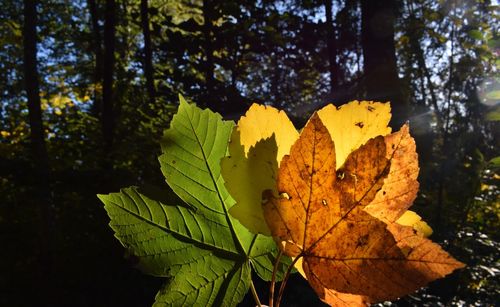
285,279
254,294
273,279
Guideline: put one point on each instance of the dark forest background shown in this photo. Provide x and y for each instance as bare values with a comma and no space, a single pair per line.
88,86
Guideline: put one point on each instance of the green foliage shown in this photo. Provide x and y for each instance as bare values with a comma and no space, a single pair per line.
495,162
191,239
494,115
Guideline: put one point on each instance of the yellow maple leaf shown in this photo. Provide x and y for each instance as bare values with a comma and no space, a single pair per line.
261,122
259,141
350,126
410,218
246,176
353,124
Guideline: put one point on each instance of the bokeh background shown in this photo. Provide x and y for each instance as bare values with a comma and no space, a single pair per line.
88,86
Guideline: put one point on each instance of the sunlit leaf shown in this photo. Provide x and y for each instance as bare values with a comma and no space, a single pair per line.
344,248
261,122
258,143
352,124
410,218
189,236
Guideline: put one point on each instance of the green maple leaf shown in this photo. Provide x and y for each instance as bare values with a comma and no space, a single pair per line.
189,237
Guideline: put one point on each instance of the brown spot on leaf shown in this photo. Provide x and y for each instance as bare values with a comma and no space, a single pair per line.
362,240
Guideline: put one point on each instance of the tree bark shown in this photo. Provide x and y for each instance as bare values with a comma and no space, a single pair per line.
209,64
97,46
37,138
380,65
107,118
424,72
332,48
148,53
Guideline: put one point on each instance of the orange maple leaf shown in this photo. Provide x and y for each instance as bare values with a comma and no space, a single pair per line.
342,222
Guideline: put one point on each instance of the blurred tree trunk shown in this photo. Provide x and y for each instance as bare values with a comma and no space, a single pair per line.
107,118
332,49
415,32
97,45
148,53
380,65
209,64
37,137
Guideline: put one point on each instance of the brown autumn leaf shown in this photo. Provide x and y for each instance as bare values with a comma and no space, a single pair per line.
341,222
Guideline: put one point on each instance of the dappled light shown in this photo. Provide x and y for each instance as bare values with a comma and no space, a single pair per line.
89,104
